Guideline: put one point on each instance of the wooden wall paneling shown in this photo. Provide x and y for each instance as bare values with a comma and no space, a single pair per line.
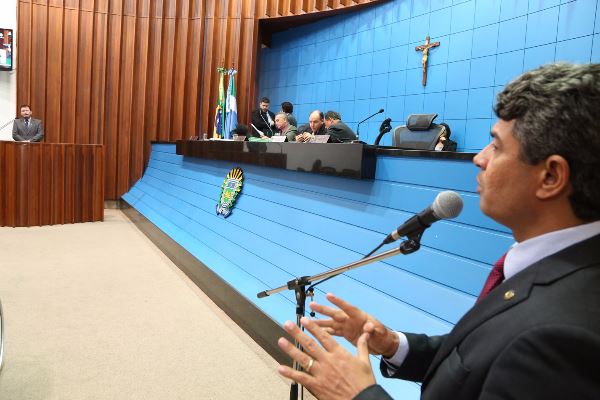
197,9
193,93
246,77
72,4
52,116
86,5
180,121
10,175
234,9
69,75
56,3
101,6
98,186
170,8
32,170
183,9
272,8
153,78
58,184
84,78
112,109
24,54
166,79
98,78
21,185
115,7
39,25
69,179
129,8
140,80
42,2
248,8
46,185
85,179
208,76
143,8
124,129
283,7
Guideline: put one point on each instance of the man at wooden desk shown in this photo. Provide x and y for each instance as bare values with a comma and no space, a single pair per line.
27,129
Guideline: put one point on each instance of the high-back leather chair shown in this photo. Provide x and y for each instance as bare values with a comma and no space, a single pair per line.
419,133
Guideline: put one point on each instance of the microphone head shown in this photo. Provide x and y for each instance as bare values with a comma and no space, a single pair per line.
380,110
447,204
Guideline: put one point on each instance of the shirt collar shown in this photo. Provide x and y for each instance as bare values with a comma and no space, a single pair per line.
523,254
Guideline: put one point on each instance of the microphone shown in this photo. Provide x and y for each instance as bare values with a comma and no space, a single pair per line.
447,204
369,117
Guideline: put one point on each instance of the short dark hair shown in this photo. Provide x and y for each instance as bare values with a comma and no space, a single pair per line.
333,115
241,129
265,100
555,109
287,107
25,105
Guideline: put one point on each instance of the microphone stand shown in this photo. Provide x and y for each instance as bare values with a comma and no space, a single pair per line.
298,285
369,117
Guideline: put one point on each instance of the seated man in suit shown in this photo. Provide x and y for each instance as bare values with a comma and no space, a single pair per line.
316,126
284,126
263,119
27,129
336,129
534,331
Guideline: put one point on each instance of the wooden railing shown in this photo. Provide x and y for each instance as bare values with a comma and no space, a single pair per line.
50,183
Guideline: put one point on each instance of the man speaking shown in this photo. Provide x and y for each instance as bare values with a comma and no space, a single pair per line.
534,332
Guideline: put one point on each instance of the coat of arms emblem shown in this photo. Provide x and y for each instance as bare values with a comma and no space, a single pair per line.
232,185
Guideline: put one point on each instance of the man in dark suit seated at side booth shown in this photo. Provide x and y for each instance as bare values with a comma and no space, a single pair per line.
534,332
336,129
316,126
27,129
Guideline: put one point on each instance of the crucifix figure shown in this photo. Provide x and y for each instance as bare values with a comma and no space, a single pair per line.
425,49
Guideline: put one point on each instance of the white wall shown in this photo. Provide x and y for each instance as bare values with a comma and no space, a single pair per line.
8,80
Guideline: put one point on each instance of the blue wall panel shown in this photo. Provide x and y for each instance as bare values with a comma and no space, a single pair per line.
288,224
369,56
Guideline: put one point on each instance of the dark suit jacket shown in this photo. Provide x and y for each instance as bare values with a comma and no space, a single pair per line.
340,132
541,343
261,122
34,132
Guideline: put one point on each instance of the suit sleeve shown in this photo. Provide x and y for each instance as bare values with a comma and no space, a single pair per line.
15,132
422,350
373,392
547,362
39,135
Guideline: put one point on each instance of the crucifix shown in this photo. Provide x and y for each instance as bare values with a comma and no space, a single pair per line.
425,49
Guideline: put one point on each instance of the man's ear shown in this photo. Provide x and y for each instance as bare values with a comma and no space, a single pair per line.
554,177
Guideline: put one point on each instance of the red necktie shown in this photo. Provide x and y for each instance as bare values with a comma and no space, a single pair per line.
495,278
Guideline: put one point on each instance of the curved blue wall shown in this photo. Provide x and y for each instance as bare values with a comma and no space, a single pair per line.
289,224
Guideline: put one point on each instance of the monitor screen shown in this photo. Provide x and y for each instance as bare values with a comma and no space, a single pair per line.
6,49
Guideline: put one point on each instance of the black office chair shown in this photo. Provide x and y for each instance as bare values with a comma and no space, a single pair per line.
419,133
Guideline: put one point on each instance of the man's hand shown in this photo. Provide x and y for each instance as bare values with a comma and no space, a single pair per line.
303,137
330,372
351,322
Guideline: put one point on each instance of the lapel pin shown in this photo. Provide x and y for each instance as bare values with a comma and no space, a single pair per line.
509,294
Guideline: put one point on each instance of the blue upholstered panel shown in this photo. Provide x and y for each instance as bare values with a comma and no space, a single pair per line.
288,224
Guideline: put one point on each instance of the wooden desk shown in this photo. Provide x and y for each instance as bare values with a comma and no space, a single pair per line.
50,183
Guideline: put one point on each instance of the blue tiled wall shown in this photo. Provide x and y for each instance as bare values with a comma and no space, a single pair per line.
360,62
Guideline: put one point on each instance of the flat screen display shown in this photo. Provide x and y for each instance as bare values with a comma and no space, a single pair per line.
6,49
